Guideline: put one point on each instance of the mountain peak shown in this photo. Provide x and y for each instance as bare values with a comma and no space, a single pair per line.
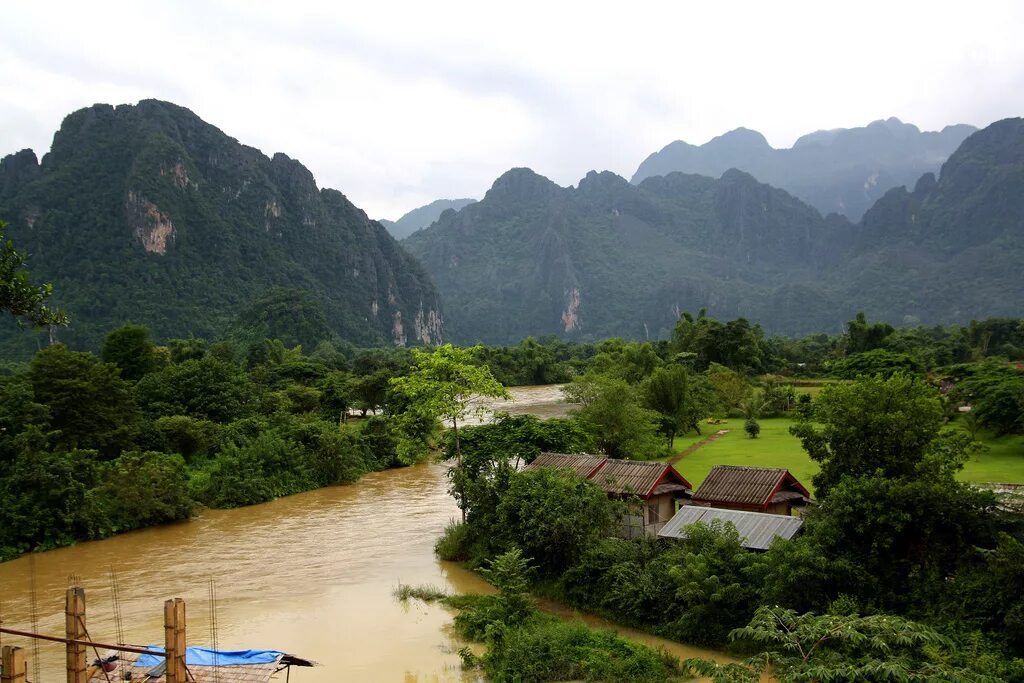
522,183
740,138
603,181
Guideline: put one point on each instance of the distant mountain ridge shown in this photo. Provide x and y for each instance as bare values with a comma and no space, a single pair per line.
610,258
146,213
423,216
843,171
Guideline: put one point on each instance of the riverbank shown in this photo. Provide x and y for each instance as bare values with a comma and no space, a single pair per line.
312,574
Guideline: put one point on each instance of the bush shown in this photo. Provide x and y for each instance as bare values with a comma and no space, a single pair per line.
557,651
752,427
553,516
453,546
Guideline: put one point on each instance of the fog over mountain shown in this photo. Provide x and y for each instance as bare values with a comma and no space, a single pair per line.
422,217
843,171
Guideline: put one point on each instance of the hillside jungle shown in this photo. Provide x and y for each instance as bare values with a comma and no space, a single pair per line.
905,572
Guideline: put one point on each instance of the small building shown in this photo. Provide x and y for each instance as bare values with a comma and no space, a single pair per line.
757,530
660,487
754,489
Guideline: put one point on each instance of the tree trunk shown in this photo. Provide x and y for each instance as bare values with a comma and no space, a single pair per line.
458,461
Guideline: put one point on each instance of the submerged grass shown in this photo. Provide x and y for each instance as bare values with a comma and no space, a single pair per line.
425,592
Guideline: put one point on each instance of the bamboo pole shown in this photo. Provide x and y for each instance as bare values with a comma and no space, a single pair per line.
74,628
174,640
15,668
86,642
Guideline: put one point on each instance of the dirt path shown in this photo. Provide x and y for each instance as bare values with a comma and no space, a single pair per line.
703,442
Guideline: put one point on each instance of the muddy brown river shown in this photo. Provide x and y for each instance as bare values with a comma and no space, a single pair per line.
311,574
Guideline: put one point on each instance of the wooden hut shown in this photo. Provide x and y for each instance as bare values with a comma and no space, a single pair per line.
659,487
757,489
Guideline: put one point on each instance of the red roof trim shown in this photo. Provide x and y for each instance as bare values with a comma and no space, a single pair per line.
798,485
597,469
664,474
778,486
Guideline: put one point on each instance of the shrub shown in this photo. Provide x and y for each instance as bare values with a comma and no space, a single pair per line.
453,546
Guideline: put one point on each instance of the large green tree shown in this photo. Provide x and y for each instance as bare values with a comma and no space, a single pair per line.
444,381
872,425
130,348
610,409
680,399
90,405
441,385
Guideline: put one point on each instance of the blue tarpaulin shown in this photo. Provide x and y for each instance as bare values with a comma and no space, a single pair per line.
201,656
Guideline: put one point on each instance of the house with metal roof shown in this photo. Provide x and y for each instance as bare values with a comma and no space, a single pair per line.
755,489
659,487
757,530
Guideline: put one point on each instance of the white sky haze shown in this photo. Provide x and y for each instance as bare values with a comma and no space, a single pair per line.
398,104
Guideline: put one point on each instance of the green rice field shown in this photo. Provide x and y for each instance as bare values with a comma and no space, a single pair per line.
1003,462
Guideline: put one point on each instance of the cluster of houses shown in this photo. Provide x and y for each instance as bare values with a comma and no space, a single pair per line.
763,503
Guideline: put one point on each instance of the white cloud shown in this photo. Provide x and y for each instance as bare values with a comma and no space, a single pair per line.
396,104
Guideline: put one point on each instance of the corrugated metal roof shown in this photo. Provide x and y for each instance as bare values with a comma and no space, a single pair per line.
631,476
582,464
757,530
745,485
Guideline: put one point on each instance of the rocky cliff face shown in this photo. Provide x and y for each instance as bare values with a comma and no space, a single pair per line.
147,213
612,259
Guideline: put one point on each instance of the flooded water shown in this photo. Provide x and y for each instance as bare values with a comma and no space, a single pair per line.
311,574
543,401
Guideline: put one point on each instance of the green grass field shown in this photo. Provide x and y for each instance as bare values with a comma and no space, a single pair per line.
776,447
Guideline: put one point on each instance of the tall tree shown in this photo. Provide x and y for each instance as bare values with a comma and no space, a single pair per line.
610,409
680,400
871,425
443,382
130,348
88,402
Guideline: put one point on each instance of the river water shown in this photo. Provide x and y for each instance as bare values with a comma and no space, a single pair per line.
311,574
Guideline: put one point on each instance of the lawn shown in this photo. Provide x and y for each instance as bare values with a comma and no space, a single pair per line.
1002,463
776,447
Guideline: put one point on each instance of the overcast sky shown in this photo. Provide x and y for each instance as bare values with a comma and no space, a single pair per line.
397,104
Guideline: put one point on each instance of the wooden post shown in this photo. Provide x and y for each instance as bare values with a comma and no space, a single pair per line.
174,640
15,668
74,627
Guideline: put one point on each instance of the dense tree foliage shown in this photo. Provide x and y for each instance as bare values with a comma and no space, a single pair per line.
92,448
876,425
908,573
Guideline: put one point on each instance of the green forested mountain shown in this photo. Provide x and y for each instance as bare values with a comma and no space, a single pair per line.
840,171
147,213
423,216
610,258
